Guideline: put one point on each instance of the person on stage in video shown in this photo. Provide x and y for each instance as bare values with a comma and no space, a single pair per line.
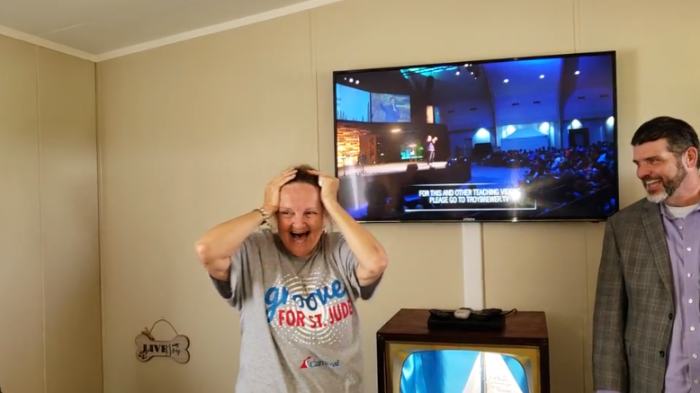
391,112
431,150
361,162
646,316
295,285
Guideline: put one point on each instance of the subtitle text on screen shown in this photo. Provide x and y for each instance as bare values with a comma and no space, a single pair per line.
462,196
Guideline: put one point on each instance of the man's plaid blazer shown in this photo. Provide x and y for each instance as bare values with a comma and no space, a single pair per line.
634,307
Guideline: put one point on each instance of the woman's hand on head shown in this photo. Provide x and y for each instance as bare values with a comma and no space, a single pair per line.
272,190
329,186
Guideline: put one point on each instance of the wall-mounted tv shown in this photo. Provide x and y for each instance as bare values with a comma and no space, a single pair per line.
518,139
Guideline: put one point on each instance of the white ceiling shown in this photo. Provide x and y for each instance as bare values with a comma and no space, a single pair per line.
103,29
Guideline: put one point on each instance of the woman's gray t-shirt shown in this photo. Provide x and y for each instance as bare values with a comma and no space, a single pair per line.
299,324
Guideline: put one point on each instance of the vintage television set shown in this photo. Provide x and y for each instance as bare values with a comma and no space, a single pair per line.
412,357
518,139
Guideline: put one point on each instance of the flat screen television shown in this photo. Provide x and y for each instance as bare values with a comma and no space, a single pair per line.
518,139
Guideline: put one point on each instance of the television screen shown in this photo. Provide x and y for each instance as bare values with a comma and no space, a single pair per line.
464,368
525,139
465,371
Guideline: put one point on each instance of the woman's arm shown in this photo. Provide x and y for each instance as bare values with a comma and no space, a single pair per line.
215,248
371,257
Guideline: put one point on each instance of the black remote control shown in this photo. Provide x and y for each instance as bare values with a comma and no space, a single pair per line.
439,313
487,313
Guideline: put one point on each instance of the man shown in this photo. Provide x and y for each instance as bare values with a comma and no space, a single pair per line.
391,112
296,287
646,323
431,150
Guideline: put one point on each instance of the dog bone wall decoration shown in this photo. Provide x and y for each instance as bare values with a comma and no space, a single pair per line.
147,347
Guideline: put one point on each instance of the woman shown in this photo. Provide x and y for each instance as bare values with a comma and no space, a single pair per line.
295,286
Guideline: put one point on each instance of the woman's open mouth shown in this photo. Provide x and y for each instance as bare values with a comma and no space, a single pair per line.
299,237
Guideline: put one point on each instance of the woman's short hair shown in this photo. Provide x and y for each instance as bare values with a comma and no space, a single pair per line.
304,175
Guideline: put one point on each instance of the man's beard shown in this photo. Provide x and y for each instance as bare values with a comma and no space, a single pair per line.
669,187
